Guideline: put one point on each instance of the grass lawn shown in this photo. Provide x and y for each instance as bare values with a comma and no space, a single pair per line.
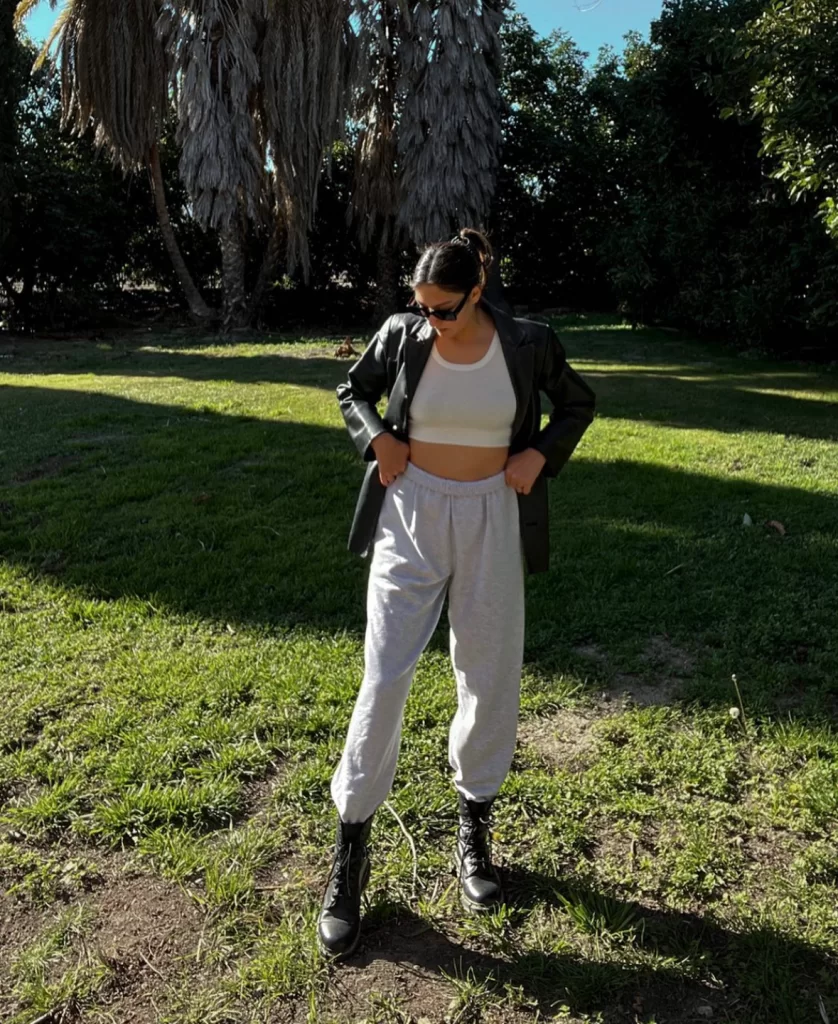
181,642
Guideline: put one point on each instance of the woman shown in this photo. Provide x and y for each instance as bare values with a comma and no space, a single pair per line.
454,502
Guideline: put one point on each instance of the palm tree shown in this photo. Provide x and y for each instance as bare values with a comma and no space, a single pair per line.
430,111
258,87
114,75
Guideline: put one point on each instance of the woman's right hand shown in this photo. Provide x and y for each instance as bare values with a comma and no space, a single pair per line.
391,456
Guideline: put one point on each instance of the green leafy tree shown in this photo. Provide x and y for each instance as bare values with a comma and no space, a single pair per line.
78,229
702,236
554,189
793,47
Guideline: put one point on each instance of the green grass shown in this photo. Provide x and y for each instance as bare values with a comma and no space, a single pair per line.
181,641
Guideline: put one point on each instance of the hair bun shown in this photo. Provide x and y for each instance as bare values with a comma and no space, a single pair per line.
476,242
443,263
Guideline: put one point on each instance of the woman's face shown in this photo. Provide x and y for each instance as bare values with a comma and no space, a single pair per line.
432,297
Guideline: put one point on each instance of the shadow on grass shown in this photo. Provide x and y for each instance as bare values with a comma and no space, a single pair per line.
731,403
724,396
244,521
306,370
642,964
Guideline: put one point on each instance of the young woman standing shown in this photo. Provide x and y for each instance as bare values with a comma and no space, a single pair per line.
454,502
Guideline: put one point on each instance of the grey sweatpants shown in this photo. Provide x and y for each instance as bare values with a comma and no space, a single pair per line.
435,536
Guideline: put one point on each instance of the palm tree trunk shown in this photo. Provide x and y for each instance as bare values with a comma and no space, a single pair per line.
197,307
269,263
387,279
235,308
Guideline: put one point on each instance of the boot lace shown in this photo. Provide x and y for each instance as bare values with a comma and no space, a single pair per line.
476,840
340,874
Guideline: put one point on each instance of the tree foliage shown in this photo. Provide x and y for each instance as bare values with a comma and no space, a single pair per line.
553,191
793,46
78,229
703,236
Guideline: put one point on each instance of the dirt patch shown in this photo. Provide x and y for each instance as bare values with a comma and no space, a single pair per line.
53,465
146,914
20,925
258,795
400,966
255,461
662,655
564,738
387,965
634,689
664,667
615,848
402,962
144,929
592,651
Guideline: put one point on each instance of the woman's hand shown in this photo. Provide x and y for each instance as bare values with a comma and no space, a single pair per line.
522,470
391,456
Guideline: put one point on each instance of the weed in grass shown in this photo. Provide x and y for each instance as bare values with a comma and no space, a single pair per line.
602,917
495,929
59,973
175,853
386,1009
471,995
819,863
40,878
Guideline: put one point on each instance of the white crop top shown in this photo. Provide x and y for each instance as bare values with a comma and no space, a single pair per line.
471,404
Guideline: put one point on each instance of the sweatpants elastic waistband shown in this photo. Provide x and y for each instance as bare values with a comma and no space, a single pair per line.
455,488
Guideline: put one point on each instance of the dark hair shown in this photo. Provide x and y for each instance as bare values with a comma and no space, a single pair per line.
457,265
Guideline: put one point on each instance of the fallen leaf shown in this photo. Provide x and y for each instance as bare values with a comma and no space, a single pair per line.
746,520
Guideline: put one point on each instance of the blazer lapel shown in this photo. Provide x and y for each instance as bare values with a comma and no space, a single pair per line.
417,351
518,360
417,348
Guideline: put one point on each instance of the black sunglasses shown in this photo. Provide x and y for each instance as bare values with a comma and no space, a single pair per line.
440,314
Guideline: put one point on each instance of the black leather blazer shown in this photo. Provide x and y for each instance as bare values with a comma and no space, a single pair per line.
393,363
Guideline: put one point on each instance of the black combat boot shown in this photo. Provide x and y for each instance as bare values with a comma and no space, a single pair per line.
480,886
339,925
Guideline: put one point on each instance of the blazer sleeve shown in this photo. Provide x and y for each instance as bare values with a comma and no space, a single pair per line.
359,395
573,406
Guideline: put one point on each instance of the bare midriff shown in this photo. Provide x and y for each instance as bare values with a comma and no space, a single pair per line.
457,461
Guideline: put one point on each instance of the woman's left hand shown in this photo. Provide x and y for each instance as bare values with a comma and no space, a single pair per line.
522,470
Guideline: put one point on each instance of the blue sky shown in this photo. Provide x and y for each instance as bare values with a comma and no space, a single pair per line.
607,23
